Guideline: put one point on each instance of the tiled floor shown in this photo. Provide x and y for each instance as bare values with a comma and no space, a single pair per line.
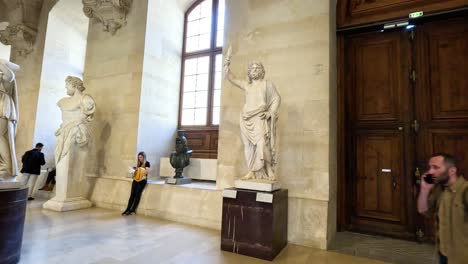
101,236
386,249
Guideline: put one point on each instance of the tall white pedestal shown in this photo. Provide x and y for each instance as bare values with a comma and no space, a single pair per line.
70,171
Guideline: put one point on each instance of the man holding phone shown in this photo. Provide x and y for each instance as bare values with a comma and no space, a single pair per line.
445,193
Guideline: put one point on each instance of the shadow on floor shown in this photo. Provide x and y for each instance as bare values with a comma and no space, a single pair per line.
383,248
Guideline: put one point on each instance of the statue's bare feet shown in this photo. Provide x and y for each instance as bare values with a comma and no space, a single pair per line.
272,178
249,176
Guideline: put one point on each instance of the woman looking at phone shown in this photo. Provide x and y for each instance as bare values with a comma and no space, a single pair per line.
138,184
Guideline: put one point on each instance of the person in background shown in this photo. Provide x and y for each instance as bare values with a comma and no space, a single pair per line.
447,198
32,161
50,182
138,184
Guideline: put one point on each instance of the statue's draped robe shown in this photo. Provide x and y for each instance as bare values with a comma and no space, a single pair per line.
75,131
258,134
9,114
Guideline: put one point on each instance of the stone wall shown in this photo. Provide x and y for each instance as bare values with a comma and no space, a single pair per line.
159,102
113,76
294,41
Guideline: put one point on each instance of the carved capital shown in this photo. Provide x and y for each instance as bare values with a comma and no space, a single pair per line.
111,13
20,37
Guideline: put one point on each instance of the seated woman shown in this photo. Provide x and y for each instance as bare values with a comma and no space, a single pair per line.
138,184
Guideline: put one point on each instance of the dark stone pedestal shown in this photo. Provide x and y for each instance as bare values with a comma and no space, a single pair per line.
12,213
178,181
254,223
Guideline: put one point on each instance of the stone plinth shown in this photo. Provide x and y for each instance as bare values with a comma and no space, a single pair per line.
257,185
67,189
178,181
254,223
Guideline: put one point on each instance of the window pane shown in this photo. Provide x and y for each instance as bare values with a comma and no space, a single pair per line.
203,64
188,100
217,98
188,117
190,83
191,44
193,28
200,116
219,62
206,8
202,82
215,116
220,38
217,84
204,42
205,25
190,67
201,99
195,14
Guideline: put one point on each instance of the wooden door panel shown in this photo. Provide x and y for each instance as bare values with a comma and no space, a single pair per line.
447,54
377,77
454,141
378,173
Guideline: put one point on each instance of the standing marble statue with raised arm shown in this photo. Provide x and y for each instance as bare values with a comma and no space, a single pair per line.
71,152
8,120
258,120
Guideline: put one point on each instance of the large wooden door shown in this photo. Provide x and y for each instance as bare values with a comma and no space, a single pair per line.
379,110
407,98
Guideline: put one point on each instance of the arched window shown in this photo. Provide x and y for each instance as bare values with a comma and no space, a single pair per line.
202,73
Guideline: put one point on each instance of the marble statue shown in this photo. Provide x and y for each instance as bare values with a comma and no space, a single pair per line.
257,120
77,111
180,158
71,152
8,120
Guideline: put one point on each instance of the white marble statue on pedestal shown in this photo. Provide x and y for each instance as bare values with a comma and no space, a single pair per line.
257,121
73,138
8,124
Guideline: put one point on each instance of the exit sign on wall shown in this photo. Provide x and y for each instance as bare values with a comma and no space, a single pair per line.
416,14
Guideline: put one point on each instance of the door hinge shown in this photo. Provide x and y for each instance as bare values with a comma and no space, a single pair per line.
411,35
413,76
415,126
420,234
417,176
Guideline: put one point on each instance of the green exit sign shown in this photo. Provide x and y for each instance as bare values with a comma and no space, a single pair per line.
416,14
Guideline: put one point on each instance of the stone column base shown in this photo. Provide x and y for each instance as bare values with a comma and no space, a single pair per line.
69,204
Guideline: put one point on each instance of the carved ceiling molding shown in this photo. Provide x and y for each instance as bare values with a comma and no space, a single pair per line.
111,13
20,37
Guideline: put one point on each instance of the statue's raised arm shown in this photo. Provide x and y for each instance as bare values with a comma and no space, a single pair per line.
227,71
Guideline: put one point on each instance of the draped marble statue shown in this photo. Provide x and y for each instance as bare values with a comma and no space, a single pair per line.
257,120
77,111
8,120
71,152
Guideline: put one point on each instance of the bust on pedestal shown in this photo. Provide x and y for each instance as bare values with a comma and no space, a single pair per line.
180,158
73,139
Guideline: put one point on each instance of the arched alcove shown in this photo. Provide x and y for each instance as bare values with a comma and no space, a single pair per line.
64,54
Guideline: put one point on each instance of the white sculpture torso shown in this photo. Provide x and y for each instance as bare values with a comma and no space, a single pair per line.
77,111
8,120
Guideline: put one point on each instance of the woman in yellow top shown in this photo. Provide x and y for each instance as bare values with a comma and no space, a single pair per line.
138,184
